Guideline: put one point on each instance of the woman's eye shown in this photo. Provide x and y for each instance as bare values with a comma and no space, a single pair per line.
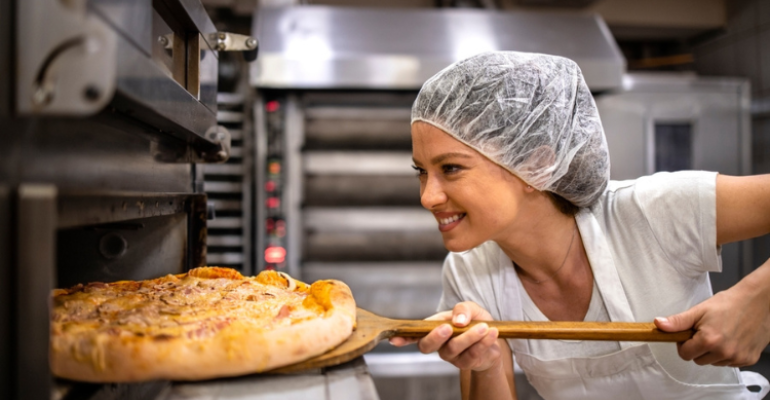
419,170
450,168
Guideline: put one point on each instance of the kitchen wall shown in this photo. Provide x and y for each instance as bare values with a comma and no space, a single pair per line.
743,49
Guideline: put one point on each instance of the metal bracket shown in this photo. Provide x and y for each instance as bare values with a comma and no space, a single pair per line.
225,41
66,63
217,151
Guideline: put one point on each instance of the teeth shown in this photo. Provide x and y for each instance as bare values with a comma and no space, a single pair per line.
446,221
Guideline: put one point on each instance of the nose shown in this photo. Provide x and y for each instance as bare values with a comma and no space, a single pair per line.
432,194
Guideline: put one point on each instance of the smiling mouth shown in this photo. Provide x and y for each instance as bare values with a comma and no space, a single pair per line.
445,224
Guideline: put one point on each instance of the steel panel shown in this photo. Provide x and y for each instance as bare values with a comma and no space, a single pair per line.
36,261
337,47
369,219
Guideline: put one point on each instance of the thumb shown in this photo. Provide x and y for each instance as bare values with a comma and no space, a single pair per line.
679,322
467,311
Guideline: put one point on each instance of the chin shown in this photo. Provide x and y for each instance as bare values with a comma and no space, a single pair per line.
458,246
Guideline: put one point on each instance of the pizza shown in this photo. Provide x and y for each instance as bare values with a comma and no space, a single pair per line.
210,322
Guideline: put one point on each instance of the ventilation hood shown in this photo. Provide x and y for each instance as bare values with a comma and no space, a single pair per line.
322,47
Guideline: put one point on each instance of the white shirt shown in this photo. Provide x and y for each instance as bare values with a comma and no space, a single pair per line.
661,231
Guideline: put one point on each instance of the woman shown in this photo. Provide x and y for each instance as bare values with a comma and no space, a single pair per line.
513,163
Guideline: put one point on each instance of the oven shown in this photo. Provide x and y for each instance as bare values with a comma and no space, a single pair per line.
108,114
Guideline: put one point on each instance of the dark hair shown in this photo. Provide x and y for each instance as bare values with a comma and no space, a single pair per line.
562,204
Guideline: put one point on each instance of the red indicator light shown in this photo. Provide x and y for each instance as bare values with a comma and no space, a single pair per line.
275,255
270,186
274,168
273,202
272,106
270,224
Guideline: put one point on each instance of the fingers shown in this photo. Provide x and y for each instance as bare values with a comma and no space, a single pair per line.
695,347
713,349
679,322
459,344
481,353
435,339
401,341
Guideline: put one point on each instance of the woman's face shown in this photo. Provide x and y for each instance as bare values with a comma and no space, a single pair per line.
473,199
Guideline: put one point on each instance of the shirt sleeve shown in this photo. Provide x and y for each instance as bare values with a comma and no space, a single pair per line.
680,209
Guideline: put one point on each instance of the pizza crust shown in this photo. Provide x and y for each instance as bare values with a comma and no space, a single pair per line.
238,349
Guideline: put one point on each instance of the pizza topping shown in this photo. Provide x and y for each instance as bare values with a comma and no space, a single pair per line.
283,312
190,305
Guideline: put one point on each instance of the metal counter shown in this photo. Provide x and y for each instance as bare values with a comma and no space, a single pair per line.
349,381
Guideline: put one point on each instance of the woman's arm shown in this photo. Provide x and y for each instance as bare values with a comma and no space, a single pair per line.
733,327
477,385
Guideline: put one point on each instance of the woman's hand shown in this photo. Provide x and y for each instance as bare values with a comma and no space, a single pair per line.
733,327
476,349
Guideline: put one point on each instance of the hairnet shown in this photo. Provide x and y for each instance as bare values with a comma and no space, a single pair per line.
530,113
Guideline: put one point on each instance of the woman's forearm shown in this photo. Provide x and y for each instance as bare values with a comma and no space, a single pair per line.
732,327
757,284
494,383
491,384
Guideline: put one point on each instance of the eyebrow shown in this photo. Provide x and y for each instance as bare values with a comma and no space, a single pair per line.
441,157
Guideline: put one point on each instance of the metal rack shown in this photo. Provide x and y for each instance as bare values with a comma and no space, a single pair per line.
230,189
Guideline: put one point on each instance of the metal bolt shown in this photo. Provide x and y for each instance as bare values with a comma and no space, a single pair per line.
42,96
92,93
251,43
222,36
163,40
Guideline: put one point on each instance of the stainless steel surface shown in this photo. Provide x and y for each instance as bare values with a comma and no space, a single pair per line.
292,162
76,58
86,155
34,271
83,197
350,381
374,246
7,281
146,92
375,285
259,154
369,219
366,163
717,109
335,47
132,18
63,50
337,131
92,208
66,390
408,364
361,190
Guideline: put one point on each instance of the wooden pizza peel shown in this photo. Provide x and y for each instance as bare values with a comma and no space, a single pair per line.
372,328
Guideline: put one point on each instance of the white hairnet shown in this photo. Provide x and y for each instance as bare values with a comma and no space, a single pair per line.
530,113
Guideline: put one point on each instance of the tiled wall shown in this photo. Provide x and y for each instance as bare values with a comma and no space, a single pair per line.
744,50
